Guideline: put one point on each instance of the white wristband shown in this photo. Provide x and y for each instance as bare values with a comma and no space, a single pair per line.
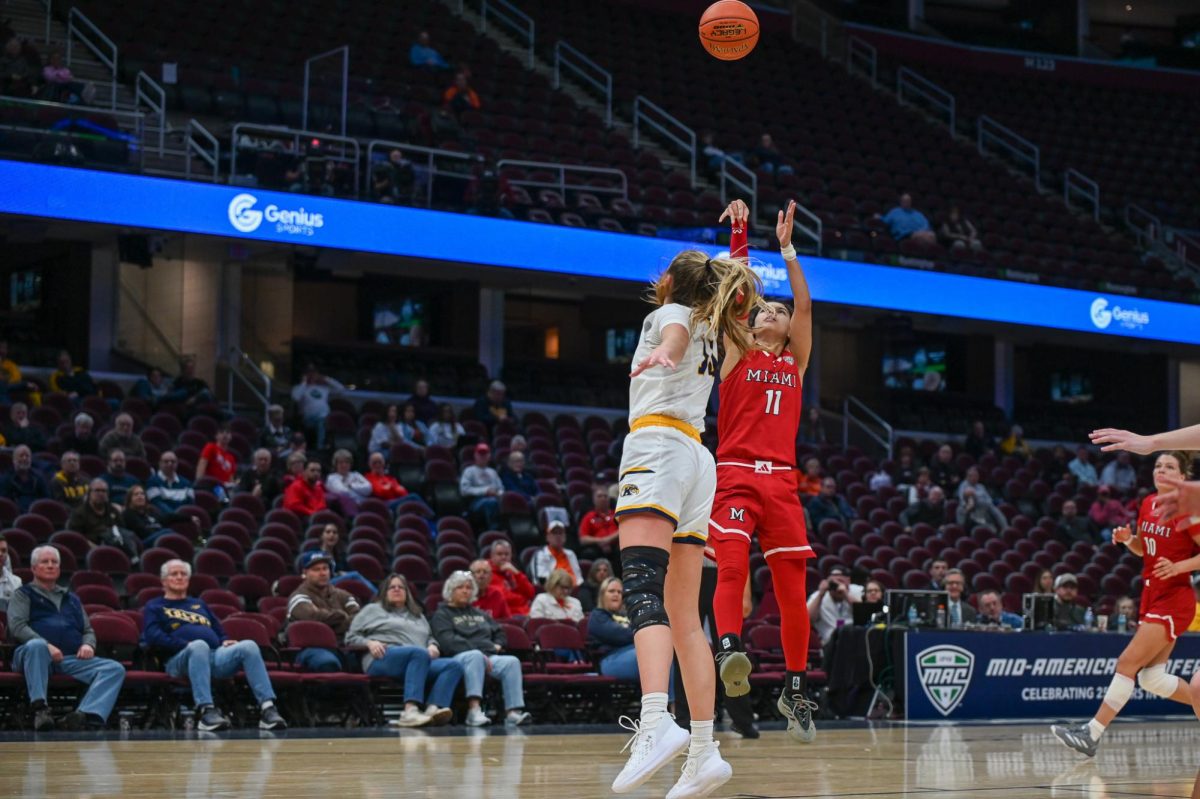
788,253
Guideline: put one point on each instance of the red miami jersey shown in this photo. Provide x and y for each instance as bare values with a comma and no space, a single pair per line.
759,413
1160,539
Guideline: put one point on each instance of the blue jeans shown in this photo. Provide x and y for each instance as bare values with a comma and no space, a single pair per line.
413,664
622,664
317,425
505,668
104,677
344,576
489,509
201,665
317,659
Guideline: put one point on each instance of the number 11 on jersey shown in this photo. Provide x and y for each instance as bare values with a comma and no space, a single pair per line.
774,395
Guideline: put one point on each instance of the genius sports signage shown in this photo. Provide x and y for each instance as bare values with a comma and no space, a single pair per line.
53,192
990,675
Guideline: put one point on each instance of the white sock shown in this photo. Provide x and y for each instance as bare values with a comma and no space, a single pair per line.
654,707
701,737
267,704
1096,729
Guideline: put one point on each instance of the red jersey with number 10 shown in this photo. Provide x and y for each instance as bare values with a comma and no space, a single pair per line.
1164,539
759,412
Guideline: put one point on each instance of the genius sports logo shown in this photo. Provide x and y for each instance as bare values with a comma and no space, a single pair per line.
945,674
245,218
1128,318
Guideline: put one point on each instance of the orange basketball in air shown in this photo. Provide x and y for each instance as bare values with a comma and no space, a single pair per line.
729,30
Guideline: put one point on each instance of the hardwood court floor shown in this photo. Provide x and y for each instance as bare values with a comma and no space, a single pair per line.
980,762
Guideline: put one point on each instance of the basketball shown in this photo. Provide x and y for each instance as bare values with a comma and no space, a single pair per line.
729,30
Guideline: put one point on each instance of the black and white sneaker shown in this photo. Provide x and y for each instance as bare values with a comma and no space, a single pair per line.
798,711
271,719
43,721
734,669
211,720
1076,736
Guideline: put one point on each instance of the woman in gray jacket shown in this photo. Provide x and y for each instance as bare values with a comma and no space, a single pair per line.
400,645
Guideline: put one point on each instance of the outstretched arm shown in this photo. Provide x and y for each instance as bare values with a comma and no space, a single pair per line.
800,331
739,248
1187,438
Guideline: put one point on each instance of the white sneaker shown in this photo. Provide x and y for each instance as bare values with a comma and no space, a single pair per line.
476,718
702,774
516,718
438,715
650,750
411,717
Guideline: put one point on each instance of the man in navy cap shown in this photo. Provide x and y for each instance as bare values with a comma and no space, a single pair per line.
316,600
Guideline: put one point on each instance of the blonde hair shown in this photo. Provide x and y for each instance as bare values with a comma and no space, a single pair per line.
559,577
720,292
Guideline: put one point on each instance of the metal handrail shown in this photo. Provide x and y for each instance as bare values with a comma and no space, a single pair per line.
1144,234
344,50
191,146
511,16
989,130
562,170
810,225
143,84
852,403
79,25
866,56
296,135
603,84
915,83
1078,184
239,359
49,17
748,184
1187,249
429,152
682,136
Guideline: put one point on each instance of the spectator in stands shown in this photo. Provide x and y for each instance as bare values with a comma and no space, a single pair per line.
383,485
973,481
123,438
1067,613
262,480
481,487
931,510
906,222
556,601
975,509
311,396
812,429
72,380
937,574
1056,466
387,432
555,555
315,177
515,478
714,156
477,641
1044,583
276,435
153,388
9,582
978,441
1082,468
873,591
427,409
306,494
99,521
766,156
906,470
147,522
460,96
1072,527
20,430
330,543
399,179
810,480
489,598
1016,444
422,54
69,484
54,636
589,591
1126,607
345,488
23,485
598,530
294,469
920,489
58,84
958,233
18,77
118,480
218,462
958,612
298,446
512,582
11,382
829,504
1118,473
400,645
519,444
494,406
82,438
943,470
610,635
316,599
992,612
413,430
879,479
186,633
446,431
383,186
168,490
1108,512
831,602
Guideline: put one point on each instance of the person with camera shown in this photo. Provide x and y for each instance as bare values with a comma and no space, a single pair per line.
830,603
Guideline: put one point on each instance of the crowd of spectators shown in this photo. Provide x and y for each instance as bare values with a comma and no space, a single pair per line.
25,74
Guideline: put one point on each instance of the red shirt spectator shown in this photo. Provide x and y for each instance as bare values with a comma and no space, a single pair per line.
216,461
383,485
306,496
460,97
599,525
513,584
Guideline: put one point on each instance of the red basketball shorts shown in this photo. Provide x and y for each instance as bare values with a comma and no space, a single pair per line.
1173,607
749,502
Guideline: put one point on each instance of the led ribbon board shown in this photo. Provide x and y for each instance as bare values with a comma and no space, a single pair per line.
83,195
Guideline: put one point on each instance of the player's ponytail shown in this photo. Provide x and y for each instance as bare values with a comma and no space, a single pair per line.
720,291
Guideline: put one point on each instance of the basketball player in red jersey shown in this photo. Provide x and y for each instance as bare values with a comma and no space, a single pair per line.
1169,555
757,423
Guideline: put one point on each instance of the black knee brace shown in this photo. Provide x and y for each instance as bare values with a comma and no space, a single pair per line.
644,571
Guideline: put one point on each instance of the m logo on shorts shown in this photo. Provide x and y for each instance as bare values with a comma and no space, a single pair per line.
737,514
629,490
945,674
